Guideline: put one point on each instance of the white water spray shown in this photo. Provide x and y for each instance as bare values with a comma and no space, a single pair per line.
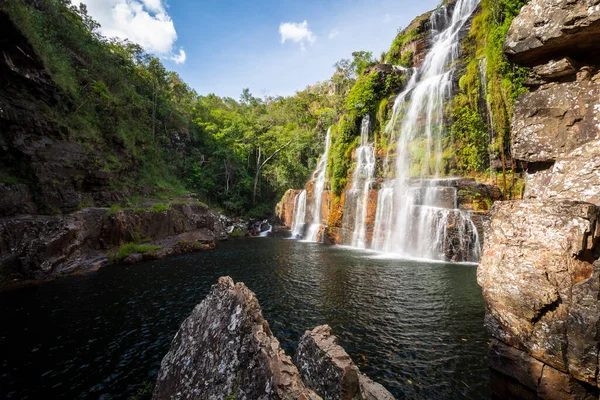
313,229
362,179
412,209
299,215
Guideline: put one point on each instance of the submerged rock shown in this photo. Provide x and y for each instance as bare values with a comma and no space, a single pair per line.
327,369
225,349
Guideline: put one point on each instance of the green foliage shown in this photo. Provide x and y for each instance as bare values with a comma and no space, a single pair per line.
9,179
161,207
397,55
343,143
115,208
470,135
504,84
406,60
237,232
130,248
364,95
361,60
156,135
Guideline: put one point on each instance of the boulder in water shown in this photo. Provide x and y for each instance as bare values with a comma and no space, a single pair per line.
327,369
225,349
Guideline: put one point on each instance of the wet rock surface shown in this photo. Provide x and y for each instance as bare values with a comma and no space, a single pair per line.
225,349
38,246
285,208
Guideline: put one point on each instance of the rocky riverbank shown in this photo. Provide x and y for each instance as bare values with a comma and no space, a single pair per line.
41,247
225,350
540,267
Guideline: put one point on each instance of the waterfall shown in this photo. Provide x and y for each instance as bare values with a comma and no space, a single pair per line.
268,231
413,211
490,115
299,215
362,179
313,229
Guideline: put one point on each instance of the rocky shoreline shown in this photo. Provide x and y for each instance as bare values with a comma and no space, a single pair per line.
39,247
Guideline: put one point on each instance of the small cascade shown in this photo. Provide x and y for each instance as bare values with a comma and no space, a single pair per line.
416,211
362,180
490,115
315,226
299,215
266,232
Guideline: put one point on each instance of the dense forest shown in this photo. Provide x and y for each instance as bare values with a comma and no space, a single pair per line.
161,138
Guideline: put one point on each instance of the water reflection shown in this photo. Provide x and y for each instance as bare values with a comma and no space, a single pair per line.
415,327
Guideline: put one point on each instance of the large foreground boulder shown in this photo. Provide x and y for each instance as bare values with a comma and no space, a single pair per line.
225,349
540,279
327,369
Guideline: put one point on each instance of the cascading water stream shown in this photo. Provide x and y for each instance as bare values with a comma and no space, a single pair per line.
313,229
299,215
412,217
362,179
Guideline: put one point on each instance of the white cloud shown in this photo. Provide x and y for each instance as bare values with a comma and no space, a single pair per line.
145,22
297,33
387,19
179,58
333,34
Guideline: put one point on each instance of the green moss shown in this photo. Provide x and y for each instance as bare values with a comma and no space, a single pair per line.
160,207
115,208
130,248
395,55
343,135
406,60
112,163
238,232
470,132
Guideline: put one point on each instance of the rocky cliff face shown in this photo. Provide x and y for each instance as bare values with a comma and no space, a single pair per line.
285,208
43,168
225,349
38,246
540,270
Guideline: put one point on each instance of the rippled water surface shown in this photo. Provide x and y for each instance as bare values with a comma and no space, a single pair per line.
414,327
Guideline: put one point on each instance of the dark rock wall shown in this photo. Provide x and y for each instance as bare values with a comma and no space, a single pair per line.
52,171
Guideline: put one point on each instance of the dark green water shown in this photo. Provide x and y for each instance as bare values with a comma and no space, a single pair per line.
414,327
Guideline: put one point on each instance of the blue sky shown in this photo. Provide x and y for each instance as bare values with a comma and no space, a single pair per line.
224,46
